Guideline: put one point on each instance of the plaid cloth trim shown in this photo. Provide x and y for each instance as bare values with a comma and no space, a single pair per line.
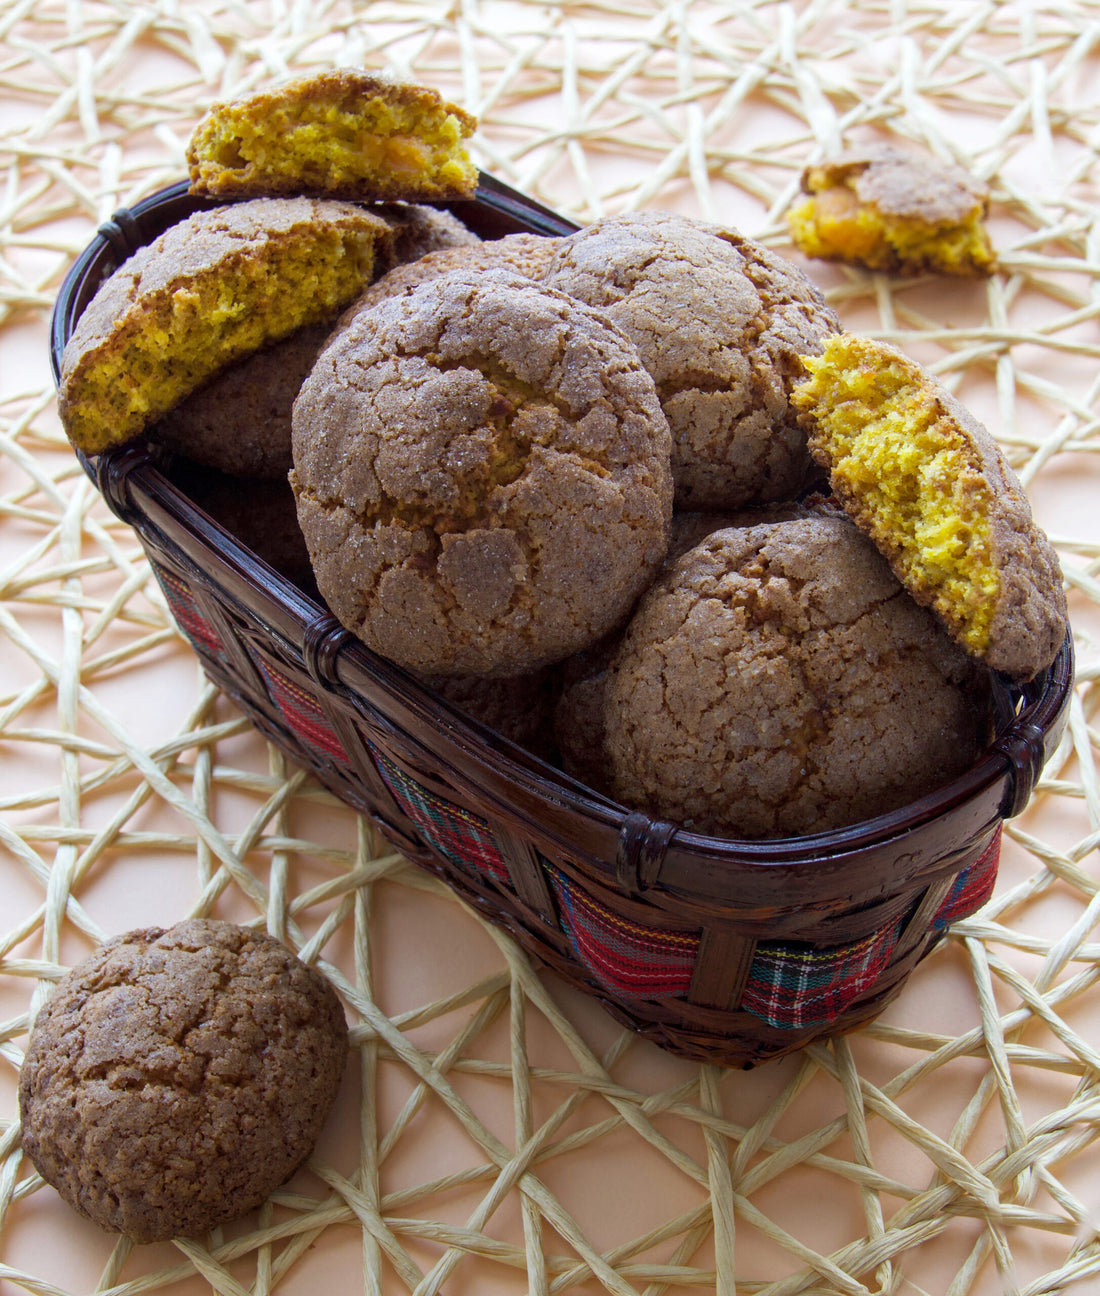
972,888
789,985
458,835
186,614
304,715
792,987
633,961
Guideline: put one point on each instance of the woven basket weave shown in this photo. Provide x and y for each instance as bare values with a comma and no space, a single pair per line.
718,950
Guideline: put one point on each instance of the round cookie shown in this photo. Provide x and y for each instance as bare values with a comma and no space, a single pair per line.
777,681
930,486
482,473
212,289
524,254
239,421
719,322
174,1079
419,230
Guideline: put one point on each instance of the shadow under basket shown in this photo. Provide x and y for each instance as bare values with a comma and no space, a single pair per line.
718,950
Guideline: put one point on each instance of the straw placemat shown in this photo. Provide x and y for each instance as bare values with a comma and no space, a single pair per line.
946,1148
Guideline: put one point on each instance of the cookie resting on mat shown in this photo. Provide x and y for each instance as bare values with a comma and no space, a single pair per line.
343,133
776,681
210,290
719,321
890,210
930,486
482,473
175,1079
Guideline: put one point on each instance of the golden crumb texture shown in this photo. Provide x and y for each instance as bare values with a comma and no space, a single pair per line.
343,133
889,210
931,487
211,290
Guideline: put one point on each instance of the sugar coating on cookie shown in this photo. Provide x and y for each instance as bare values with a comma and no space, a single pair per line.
482,473
890,210
932,489
777,681
174,1079
419,230
719,322
342,133
209,291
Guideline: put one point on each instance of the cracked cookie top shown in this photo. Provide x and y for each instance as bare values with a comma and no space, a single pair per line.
719,322
482,474
776,680
174,1079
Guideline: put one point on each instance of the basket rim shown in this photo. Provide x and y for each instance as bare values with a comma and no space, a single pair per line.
1030,718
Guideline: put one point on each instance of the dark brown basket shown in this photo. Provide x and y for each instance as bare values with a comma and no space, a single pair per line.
719,950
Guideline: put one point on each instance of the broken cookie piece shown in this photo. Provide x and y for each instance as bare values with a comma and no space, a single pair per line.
894,211
342,133
930,486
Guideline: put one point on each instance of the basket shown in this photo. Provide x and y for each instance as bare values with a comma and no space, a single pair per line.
718,950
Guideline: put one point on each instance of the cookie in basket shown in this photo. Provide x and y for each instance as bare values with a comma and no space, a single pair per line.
419,229
175,1079
719,322
891,210
776,680
212,289
239,421
482,473
341,133
932,489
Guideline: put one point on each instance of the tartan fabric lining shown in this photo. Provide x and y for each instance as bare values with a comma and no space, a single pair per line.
187,616
634,961
458,835
790,985
303,715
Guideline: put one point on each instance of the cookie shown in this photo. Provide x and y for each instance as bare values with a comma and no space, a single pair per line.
932,489
239,421
212,289
719,322
889,210
525,254
341,133
777,681
419,230
174,1079
482,473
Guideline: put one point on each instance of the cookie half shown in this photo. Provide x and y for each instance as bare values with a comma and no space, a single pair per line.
342,133
926,481
211,290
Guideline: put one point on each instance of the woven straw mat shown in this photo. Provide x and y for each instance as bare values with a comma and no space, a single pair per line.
499,1133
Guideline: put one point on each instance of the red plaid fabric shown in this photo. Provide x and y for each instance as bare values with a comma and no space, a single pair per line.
633,961
972,888
186,615
304,716
458,835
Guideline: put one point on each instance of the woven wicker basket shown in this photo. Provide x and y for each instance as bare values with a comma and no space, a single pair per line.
722,951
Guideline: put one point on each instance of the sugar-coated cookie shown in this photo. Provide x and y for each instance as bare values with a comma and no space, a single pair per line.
776,680
174,1079
719,322
482,473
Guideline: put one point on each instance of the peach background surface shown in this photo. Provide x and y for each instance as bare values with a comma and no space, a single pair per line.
947,1148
